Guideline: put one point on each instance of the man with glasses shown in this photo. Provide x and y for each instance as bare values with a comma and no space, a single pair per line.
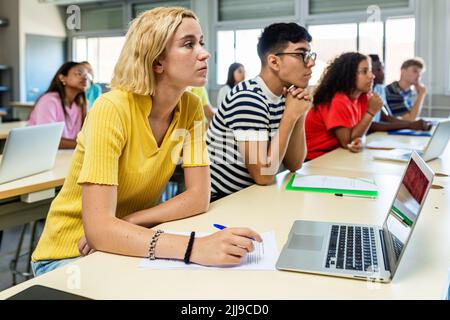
260,124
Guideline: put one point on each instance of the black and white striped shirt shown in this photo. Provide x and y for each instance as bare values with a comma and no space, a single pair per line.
249,112
399,101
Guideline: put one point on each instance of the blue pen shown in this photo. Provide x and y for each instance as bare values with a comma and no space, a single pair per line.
221,227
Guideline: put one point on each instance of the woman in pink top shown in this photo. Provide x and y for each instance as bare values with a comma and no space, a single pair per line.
64,101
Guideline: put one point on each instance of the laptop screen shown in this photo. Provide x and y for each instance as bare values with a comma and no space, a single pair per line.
406,207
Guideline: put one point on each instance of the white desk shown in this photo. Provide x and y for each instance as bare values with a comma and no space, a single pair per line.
421,275
5,128
343,159
14,212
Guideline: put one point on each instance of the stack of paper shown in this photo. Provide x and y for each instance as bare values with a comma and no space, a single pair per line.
336,185
385,144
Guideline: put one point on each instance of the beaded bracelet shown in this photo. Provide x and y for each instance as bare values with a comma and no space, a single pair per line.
151,250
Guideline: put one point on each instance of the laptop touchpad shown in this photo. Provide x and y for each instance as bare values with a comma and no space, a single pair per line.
306,242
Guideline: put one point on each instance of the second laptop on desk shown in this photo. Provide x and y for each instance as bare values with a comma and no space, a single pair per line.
435,148
30,150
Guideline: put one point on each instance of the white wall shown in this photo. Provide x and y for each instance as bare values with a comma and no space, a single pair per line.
431,41
9,41
40,19
441,38
25,17
432,44
203,11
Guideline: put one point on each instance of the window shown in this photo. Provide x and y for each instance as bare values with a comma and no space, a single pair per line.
393,40
344,6
237,46
101,52
400,45
141,7
225,54
329,41
371,38
240,45
230,10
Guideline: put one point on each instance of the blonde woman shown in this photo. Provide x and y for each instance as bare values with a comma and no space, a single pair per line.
125,152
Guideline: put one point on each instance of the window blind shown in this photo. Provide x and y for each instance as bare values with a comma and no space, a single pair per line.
141,7
340,6
94,19
230,10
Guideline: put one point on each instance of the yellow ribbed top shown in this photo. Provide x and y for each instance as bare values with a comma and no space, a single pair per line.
116,147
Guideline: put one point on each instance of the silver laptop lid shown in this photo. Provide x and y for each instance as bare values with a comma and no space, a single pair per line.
405,209
30,150
438,141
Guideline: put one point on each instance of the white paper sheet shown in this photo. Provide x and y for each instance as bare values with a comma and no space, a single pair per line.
385,144
264,257
328,182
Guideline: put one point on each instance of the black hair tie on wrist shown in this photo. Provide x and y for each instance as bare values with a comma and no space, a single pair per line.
187,255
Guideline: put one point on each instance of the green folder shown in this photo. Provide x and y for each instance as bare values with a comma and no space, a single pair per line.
355,193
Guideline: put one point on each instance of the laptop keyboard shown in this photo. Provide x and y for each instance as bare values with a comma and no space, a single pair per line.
398,246
352,248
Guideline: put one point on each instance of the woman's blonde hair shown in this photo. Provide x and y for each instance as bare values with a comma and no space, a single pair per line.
145,42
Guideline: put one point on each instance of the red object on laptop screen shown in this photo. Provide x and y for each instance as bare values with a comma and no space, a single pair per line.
415,181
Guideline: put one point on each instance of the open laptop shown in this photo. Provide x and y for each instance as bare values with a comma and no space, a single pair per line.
30,150
363,252
434,149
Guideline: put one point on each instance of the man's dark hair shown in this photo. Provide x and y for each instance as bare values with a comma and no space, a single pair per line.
277,36
375,58
415,62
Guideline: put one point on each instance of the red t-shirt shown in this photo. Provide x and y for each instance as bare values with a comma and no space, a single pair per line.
320,122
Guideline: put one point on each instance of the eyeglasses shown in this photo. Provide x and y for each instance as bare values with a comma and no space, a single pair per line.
306,56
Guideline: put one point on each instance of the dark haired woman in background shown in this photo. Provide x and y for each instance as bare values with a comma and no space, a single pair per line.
64,101
344,106
236,74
